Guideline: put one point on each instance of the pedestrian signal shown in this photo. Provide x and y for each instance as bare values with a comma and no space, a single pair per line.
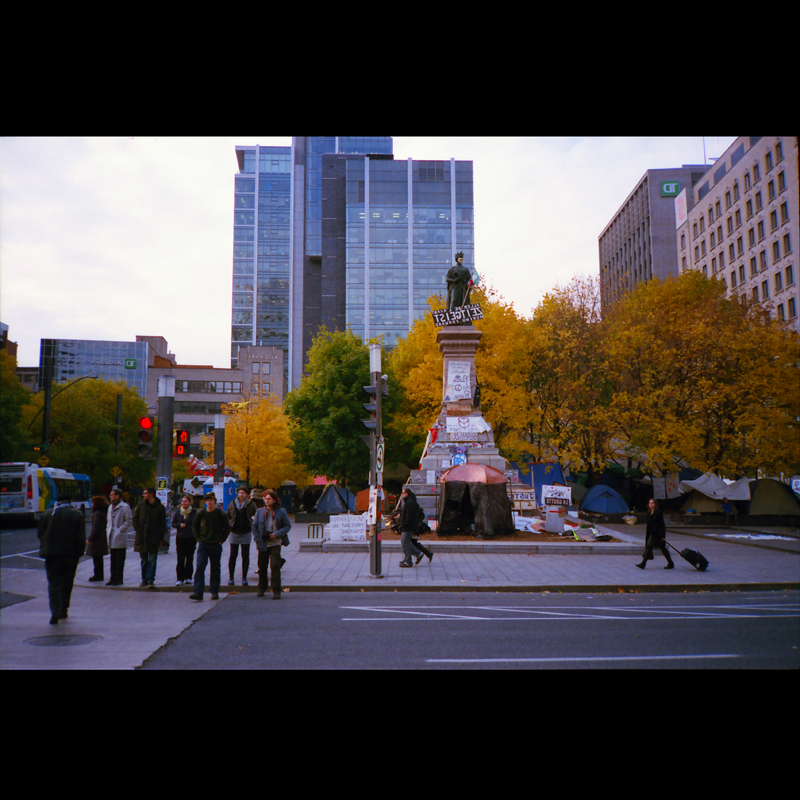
182,440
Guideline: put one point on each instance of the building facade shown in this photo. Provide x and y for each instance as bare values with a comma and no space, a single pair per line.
639,243
341,235
740,224
77,358
201,391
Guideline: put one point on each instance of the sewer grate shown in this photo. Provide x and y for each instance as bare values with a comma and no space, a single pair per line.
65,640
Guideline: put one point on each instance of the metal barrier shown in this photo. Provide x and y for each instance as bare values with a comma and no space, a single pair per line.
315,530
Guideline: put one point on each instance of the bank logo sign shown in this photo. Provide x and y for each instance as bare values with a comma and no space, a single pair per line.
130,363
670,188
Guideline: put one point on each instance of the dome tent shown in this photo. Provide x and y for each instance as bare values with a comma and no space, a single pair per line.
771,497
602,499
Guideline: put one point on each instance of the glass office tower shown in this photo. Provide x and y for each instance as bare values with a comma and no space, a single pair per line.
334,232
405,220
261,236
111,361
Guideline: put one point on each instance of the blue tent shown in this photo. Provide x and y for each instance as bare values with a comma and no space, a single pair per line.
603,499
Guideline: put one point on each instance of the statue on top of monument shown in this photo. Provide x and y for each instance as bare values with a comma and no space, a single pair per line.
459,284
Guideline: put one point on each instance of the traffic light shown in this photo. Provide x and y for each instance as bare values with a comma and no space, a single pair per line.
373,422
182,439
146,437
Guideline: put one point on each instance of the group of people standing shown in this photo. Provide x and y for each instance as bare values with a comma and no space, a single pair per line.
200,532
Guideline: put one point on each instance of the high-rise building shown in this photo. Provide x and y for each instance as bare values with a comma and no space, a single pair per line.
740,224
639,243
364,241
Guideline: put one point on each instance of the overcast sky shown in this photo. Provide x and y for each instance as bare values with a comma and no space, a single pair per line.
107,238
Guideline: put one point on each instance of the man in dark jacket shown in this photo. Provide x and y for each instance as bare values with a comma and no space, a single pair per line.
62,536
211,529
150,524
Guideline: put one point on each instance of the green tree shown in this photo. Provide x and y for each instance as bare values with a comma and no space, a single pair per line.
326,409
83,418
13,398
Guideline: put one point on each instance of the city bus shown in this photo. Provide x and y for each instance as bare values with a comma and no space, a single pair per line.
28,490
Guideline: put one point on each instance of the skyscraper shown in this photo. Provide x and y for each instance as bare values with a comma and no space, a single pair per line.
364,240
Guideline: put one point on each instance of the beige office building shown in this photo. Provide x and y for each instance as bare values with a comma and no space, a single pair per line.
740,223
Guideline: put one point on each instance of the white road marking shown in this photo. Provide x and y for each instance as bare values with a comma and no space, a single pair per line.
576,659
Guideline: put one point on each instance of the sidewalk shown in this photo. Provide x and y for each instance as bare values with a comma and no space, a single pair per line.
127,624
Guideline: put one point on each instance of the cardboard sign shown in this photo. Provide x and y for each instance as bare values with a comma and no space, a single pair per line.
556,495
348,528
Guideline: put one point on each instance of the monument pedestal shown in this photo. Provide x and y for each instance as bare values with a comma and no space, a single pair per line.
462,433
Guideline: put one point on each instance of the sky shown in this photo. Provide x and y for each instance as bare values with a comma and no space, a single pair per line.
114,237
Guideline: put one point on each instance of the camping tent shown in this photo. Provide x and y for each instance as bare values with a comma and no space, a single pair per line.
474,499
601,499
772,497
335,500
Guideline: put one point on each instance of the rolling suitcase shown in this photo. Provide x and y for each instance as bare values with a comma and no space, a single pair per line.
697,560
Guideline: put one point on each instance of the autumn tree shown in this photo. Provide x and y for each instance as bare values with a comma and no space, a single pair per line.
704,379
258,442
326,409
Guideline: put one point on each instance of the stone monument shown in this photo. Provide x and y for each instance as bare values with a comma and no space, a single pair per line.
460,434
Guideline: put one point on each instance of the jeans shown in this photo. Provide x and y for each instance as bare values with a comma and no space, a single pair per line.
409,549
207,553
149,567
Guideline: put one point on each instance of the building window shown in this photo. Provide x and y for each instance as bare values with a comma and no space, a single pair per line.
733,280
787,244
781,314
792,308
764,290
789,272
778,282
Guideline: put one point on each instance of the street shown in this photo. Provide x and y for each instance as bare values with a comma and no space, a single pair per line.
463,630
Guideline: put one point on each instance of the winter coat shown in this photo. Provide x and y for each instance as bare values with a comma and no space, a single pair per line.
656,529
62,532
260,531
97,543
119,524
211,527
150,524
411,515
184,526
241,520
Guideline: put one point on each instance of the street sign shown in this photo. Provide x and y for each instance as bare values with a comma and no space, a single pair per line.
379,456
43,461
116,471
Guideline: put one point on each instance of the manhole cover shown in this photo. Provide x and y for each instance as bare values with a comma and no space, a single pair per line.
66,640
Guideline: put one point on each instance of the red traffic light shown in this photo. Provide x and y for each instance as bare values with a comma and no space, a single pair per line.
145,423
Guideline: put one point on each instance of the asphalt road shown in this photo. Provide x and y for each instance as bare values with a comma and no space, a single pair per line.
455,630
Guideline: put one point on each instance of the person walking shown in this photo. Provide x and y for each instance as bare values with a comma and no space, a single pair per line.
241,511
97,542
150,524
185,543
211,528
397,526
410,515
270,531
118,525
62,541
655,536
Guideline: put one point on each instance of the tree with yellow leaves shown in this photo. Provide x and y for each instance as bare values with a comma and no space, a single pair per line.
704,379
257,442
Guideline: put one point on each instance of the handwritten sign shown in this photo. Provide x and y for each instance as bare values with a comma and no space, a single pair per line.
460,316
458,381
348,528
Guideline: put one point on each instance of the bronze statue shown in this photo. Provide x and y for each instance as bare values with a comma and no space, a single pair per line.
458,284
